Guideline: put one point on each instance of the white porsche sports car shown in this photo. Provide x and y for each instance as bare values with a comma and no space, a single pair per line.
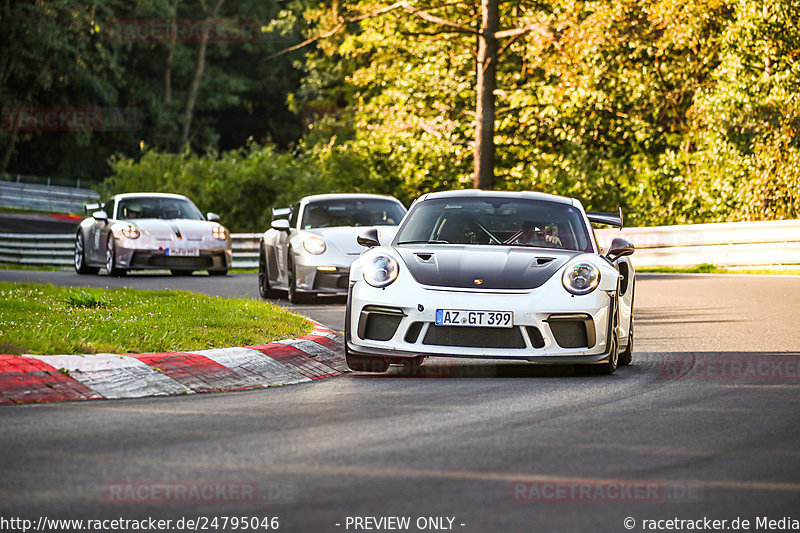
151,231
311,252
503,275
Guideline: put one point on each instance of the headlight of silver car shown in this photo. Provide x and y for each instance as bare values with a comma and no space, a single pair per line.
381,271
130,231
314,245
581,278
219,233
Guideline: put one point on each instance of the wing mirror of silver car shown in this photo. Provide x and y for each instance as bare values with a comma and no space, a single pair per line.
281,224
619,248
90,208
100,215
212,217
369,238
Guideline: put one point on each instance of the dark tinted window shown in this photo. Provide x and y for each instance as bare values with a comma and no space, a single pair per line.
352,212
154,207
496,221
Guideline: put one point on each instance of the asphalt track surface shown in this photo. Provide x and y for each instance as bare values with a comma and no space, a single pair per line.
683,433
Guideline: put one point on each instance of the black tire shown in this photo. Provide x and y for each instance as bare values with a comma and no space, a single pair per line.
218,272
177,272
626,357
80,257
295,296
264,288
609,366
111,259
366,364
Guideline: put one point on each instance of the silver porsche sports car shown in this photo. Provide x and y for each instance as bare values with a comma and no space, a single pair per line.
151,231
310,246
491,274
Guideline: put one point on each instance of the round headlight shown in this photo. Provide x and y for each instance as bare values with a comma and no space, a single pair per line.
581,278
381,271
314,245
219,233
130,231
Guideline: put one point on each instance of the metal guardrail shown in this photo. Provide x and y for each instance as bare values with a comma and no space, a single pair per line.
44,197
59,249
729,244
774,242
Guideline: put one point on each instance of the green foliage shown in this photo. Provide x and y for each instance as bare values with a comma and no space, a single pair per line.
677,111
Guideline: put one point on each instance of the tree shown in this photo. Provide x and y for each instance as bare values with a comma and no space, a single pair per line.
487,35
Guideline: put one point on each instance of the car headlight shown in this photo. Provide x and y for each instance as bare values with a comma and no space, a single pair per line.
314,245
219,233
581,278
381,271
130,231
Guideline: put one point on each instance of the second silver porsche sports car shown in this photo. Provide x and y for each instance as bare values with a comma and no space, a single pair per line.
151,231
310,252
487,274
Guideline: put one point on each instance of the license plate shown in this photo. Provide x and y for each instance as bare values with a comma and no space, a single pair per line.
183,252
486,319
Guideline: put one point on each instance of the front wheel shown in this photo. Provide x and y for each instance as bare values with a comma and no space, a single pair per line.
626,356
111,259
264,288
295,296
80,257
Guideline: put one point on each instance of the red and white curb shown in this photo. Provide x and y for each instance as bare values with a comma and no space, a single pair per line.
46,378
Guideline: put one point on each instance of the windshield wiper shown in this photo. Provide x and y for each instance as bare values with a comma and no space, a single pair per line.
424,242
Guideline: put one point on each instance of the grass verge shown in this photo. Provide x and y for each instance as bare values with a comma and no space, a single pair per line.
707,268
44,319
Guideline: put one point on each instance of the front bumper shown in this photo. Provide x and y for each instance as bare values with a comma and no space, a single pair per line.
322,278
549,326
137,259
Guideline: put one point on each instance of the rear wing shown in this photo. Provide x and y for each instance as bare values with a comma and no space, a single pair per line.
611,219
281,212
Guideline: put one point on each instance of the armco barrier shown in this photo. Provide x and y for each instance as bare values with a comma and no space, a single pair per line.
47,198
728,244
59,250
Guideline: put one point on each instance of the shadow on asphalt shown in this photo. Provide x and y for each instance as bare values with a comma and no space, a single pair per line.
445,370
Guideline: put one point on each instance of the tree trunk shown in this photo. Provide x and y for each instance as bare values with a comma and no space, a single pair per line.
194,89
483,177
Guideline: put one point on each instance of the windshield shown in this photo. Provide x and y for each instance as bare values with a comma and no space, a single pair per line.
352,212
165,208
496,221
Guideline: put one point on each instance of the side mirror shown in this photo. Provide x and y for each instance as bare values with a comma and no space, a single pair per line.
619,248
100,215
212,217
369,238
281,224
90,208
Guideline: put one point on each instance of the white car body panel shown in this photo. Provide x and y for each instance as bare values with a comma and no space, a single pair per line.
341,249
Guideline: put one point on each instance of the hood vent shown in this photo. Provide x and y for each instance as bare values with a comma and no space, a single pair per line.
541,261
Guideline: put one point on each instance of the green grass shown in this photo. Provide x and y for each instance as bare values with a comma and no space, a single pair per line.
44,319
42,268
707,268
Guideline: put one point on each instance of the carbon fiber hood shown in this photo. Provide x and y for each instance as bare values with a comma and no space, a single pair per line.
483,267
